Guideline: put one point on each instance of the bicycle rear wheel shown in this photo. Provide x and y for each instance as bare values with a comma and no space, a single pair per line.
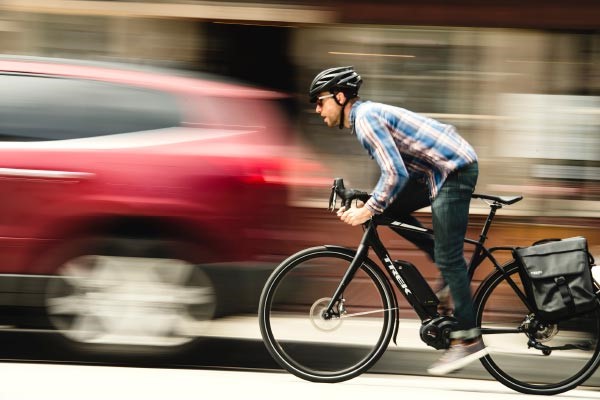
306,344
530,370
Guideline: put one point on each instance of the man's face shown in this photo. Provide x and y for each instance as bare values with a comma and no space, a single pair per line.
328,109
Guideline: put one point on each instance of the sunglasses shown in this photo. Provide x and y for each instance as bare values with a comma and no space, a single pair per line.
321,98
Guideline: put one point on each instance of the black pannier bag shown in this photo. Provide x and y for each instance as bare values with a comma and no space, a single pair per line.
557,276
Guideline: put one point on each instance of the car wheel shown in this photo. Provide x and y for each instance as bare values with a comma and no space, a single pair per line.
129,292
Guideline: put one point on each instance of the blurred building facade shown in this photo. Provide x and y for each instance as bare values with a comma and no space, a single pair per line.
520,81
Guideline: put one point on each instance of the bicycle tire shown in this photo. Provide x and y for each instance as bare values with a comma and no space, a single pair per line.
529,370
327,353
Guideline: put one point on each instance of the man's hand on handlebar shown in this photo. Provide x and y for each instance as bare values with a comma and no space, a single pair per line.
355,215
352,215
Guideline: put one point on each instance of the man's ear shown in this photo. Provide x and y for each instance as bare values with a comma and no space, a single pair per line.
341,97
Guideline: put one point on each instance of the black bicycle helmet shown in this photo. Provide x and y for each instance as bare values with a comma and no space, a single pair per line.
334,80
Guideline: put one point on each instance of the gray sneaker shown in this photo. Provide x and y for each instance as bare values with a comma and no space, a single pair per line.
457,356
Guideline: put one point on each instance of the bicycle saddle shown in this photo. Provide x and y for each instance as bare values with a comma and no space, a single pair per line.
500,199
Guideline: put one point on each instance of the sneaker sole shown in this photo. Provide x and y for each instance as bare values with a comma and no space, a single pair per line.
458,364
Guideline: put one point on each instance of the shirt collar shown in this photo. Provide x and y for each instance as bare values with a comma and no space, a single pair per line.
353,115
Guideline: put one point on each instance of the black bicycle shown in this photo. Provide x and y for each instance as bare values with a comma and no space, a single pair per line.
328,313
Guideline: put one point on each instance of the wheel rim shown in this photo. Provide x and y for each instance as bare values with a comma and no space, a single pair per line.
527,369
99,299
347,345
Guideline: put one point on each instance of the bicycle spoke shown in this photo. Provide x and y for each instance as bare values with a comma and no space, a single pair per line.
358,314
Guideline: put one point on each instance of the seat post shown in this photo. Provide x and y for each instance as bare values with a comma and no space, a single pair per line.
488,222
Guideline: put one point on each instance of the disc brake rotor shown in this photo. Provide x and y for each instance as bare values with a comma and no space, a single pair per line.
317,319
540,332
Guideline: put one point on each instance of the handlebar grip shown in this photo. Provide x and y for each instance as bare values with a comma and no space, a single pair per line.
362,196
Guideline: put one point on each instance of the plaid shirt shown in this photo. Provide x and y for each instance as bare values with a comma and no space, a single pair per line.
406,144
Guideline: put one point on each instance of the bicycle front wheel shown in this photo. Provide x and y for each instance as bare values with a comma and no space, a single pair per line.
321,349
573,349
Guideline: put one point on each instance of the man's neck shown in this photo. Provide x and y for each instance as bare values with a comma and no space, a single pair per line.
347,110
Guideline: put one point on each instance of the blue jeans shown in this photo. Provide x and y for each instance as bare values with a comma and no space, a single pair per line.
414,196
450,215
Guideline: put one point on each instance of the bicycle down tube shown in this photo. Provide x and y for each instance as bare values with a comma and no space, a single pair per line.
371,239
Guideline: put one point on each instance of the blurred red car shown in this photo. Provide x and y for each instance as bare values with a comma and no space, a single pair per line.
117,182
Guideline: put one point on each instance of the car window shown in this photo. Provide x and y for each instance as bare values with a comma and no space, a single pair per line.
47,108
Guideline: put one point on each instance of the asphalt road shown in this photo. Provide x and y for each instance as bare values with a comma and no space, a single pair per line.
66,382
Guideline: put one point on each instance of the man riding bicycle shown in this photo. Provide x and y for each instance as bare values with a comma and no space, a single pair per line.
423,162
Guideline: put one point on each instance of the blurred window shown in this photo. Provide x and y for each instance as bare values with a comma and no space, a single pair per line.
44,108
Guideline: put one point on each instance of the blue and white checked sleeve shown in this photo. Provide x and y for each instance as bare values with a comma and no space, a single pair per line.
372,130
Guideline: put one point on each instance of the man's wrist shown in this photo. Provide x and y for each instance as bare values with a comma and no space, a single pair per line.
370,211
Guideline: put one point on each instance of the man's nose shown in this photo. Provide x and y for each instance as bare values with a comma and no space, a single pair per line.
318,109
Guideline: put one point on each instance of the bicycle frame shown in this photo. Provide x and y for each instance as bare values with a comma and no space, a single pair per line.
314,356
371,239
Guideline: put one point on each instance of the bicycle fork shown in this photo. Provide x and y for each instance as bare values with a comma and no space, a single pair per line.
361,255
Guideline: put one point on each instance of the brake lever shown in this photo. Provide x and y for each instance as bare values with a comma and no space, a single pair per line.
336,189
332,199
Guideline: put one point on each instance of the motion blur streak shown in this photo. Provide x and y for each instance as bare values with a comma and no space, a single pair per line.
161,156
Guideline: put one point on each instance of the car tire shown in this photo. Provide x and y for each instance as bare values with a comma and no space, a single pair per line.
128,294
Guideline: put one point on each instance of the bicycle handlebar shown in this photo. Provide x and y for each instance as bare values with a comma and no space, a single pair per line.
346,195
